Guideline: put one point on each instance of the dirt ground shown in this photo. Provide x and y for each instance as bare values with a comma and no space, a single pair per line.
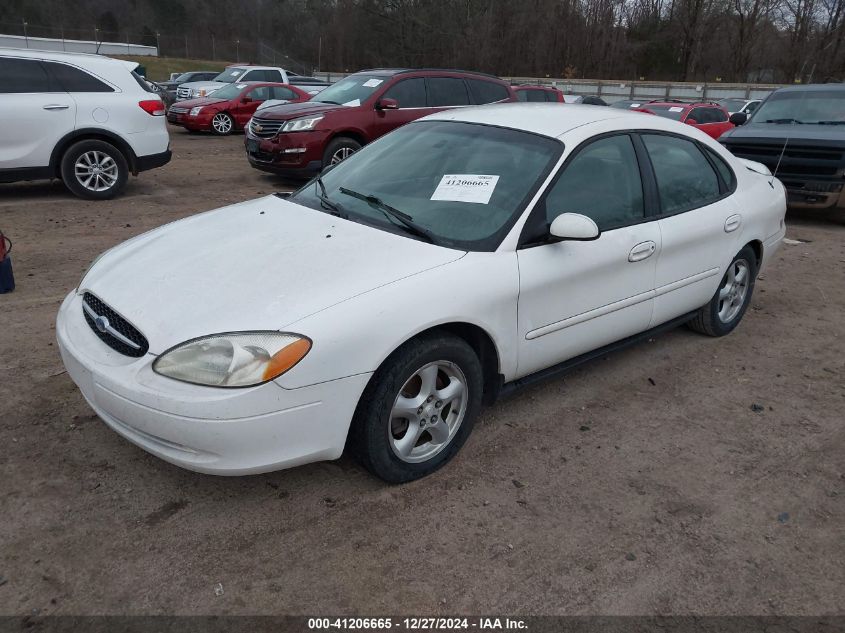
643,483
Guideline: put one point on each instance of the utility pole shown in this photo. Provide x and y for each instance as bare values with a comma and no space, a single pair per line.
238,51
186,47
158,44
320,54
63,36
25,36
212,47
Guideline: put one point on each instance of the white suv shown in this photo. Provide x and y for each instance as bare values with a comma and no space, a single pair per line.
87,119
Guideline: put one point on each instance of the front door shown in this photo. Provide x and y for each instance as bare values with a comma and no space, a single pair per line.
578,296
410,94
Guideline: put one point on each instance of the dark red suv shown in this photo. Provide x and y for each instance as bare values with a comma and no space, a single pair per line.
710,118
302,138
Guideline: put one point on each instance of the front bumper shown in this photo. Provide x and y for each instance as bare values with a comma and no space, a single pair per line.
288,153
200,122
206,429
806,198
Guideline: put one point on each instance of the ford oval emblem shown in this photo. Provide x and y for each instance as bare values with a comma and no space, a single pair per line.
102,323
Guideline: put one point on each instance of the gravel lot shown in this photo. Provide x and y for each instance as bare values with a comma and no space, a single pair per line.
643,483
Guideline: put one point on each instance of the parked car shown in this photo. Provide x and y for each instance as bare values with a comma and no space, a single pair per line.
536,93
230,108
242,73
746,106
303,138
591,100
628,104
86,119
379,306
799,133
170,86
710,118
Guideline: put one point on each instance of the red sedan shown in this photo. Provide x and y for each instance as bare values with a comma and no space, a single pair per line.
710,118
231,107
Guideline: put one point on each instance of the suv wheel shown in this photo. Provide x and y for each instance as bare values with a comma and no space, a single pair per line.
222,124
339,149
94,169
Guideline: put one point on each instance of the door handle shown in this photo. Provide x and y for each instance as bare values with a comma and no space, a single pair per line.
56,106
733,223
642,251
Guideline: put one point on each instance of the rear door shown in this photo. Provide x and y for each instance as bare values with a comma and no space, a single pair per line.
410,94
698,222
35,112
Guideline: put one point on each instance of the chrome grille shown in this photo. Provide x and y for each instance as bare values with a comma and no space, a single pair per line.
112,329
183,93
265,128
176,110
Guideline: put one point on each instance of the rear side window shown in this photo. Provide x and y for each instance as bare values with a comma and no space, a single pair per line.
447,91
75,80
722,167
685,179
262,93
701,115
24,76
284,93
410,93
532,95
486,91
551,95
718,116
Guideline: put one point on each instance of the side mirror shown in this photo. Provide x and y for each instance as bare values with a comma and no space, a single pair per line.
387,104
739,118
574,226
691,121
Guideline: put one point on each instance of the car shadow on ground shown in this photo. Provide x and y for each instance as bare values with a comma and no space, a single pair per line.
822,218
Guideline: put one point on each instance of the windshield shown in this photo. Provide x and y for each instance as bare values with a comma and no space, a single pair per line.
732,105
351,91
464,184
803,106
666,111
230,75
228,92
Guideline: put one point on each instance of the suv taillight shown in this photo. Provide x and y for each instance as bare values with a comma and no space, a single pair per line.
152,106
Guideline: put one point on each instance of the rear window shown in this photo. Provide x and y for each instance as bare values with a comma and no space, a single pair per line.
75,80
23,76
486,91
531,95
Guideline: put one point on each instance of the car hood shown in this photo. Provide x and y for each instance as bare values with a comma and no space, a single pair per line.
257,265
779,131
296,110
203,84
201,101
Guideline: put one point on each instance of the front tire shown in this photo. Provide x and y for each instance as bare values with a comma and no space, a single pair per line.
94,170
222,124
418,409
339,149
727,307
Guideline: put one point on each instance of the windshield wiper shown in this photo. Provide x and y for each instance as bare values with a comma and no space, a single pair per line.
392,213
327,101
784,121
324,200
831,122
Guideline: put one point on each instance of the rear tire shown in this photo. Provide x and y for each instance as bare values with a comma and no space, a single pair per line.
339,149
418,409
94,170
725,310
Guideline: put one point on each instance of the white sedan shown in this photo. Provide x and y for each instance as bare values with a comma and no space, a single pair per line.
380,306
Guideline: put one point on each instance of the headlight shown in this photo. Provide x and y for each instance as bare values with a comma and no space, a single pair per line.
303,124
195,111
237,359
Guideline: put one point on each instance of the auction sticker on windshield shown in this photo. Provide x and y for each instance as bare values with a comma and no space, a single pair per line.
372,83
466,188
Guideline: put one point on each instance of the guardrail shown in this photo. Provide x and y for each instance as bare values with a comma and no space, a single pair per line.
77,46
618,89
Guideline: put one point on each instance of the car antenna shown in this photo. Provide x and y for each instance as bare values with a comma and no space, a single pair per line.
785,143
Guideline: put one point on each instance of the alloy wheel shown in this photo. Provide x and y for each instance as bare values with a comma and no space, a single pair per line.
341,154
222,123
734,290
96,171
428,411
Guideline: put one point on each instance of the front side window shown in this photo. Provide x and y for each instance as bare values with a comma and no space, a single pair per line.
23,76
602,182
447,91
262,93
486,91
409,93
751,107
685,179
464,183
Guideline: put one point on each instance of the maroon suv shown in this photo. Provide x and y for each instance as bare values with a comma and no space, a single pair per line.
302,138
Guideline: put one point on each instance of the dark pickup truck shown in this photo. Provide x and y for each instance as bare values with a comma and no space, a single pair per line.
799,134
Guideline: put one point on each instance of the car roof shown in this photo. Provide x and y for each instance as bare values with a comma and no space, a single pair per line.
79,59
838,87
549,119
400,71
534,87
